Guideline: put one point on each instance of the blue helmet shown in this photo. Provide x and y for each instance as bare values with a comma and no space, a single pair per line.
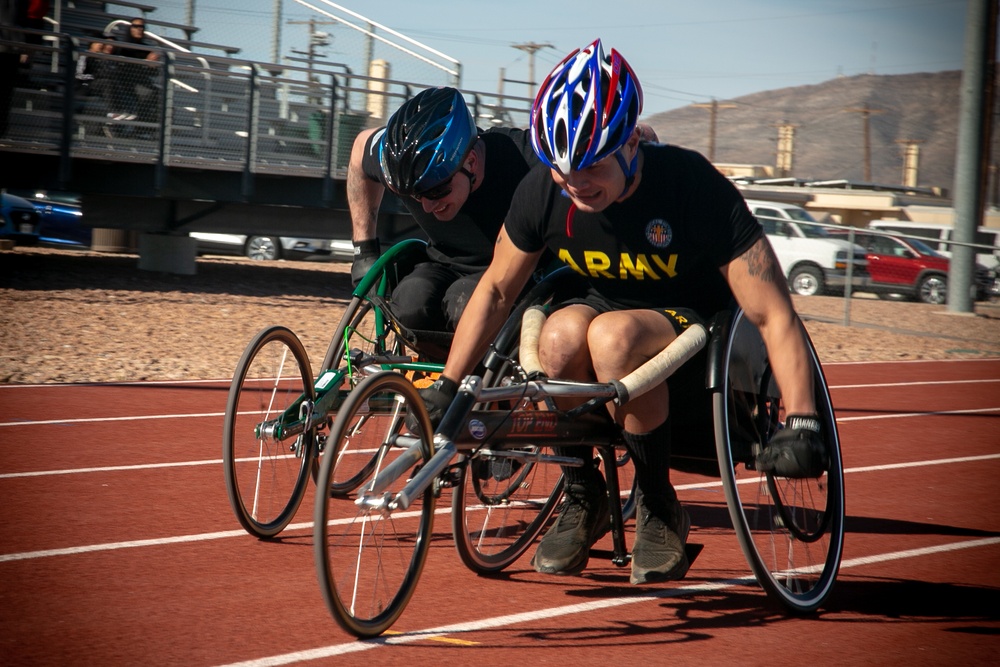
586,109
426,141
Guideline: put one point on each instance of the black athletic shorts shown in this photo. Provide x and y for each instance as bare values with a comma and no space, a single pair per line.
679,318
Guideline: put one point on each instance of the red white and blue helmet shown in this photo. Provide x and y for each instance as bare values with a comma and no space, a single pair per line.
586,109
426,141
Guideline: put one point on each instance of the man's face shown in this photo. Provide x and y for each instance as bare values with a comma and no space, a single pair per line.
445,208
446,200
601,184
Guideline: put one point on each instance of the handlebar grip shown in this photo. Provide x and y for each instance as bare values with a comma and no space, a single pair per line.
663,365
531,329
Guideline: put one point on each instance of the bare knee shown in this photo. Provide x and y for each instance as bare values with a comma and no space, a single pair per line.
562,346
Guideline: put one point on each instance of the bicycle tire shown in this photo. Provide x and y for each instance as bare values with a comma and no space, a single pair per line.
772,515
497,510
368,561
266,476
362,329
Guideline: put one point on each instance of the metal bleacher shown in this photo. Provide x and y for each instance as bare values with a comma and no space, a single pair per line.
210,140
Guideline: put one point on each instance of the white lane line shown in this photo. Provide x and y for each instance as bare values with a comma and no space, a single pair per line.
90,420
929,413
553,612
922,383
308,525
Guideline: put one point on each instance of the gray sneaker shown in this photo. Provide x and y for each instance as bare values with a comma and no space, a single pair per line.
583,519
658,553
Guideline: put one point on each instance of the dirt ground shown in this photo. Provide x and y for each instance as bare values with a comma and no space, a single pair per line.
74,316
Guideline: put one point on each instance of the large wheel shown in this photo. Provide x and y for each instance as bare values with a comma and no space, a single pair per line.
266,464
791,530
368,559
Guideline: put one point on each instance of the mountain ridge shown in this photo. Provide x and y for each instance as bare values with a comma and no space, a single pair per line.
922,108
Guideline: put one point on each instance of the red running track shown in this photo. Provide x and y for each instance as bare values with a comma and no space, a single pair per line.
120,548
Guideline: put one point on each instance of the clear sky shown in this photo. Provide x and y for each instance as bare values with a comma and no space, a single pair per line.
683,51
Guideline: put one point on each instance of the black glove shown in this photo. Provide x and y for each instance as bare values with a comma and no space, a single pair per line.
796,451
365,255
437,398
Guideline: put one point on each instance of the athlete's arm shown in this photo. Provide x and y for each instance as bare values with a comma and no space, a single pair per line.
759,286
489,306
364,196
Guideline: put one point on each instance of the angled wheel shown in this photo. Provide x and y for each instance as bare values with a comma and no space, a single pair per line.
369,554
503,498
791,530
363,332
266,455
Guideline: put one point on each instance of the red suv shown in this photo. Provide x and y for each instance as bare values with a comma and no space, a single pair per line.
903,268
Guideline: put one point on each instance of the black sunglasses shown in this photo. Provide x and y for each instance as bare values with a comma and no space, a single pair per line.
437,192
141,26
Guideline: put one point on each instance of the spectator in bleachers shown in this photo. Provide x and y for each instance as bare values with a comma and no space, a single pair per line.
135,90
92,77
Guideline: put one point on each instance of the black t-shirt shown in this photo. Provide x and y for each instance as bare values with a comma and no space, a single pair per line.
661,247
466,241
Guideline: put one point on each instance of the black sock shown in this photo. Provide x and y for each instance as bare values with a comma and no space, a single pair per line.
585,475
650,454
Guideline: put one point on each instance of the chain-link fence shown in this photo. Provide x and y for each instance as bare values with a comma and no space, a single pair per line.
86,99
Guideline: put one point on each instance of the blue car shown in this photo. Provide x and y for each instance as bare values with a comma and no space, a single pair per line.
20,220
61,221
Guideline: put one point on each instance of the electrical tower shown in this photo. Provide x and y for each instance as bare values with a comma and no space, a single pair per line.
786,149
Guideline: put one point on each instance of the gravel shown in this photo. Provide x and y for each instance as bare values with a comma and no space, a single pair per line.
82,316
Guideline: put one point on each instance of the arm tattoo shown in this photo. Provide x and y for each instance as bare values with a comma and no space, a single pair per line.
761,262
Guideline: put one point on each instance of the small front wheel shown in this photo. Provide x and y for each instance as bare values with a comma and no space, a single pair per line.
370,550
266,455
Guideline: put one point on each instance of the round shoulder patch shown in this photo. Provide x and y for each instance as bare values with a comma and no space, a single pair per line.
659,233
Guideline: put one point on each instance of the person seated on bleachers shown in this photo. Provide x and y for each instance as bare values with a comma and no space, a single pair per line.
135,90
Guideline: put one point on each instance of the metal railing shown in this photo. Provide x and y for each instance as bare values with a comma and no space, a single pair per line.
209,112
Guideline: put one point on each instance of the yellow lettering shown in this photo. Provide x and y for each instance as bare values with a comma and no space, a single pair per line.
567,259
669,268
597,263
639,270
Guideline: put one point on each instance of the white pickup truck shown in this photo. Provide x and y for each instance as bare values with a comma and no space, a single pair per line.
812,260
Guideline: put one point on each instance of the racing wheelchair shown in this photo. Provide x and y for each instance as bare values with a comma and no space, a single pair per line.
495,448
278,418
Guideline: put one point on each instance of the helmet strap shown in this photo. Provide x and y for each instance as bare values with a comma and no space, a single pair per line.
628,169
472,177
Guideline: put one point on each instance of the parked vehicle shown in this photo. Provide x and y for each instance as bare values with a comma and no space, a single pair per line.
939,236
61,221
266,247
908,268
813,261
20,220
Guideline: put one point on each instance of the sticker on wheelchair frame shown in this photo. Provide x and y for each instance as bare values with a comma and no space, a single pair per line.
477,429
325,379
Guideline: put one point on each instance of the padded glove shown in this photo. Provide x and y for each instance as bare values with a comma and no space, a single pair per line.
796,451
437,398
365,255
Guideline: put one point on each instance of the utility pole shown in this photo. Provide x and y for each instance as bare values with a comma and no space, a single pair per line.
713,108
315,39
786,149
531,48
866,114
